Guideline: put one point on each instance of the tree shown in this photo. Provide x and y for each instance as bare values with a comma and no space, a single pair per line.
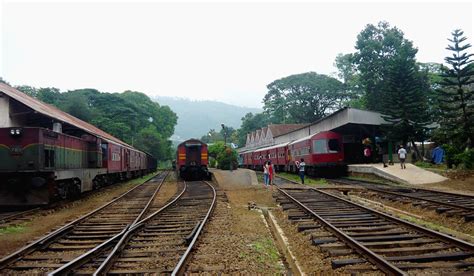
303,98
348,73
76,105
405,102
130,116
376,47
251,122
456,93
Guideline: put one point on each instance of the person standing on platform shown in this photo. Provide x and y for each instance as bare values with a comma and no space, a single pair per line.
367,154
402,155
300,167
380,154
271,172
265,174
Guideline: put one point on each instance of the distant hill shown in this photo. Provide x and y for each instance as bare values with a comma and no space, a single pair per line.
195,118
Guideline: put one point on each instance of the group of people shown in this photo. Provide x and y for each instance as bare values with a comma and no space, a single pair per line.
269,172
402,155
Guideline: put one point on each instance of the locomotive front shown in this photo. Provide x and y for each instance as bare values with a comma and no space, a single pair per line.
192,160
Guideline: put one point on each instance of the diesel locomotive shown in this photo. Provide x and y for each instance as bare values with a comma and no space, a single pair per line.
47,154
192,160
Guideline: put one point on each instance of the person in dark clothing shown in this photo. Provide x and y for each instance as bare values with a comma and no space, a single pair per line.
380,154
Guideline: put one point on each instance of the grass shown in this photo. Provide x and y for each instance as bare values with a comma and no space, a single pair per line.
266,252
14,229
428,165
307,180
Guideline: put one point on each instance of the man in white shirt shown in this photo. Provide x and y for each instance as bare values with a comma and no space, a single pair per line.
300,167
402,155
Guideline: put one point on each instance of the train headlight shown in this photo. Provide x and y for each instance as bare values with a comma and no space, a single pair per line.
15,131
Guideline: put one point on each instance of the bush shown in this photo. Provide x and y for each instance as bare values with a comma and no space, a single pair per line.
466,158
451,153
212,162
227,157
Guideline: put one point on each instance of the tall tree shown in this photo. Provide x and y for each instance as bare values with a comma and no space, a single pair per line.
405,103
376,47
456,93
303,98
348,73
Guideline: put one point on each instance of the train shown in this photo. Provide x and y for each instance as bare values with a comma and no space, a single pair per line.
192,160
323,154
39,165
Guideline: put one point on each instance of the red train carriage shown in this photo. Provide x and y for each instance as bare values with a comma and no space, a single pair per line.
322,152
192,160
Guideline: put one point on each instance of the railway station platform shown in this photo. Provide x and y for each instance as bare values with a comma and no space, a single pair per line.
411,175
235,177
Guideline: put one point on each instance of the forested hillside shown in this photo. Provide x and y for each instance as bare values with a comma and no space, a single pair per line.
130,116
196,118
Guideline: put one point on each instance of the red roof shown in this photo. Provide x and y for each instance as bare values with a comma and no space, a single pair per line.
56,113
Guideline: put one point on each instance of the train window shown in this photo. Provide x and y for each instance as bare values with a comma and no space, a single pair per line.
48,158
333,145
320,146
104,151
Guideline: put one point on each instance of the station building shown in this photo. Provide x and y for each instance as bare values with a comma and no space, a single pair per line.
353,124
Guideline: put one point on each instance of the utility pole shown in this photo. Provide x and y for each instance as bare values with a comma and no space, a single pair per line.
225,144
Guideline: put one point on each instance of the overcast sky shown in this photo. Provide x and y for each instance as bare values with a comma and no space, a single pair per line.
219,51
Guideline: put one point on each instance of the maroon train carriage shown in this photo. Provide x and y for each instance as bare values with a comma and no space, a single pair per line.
39,165
192,160
323,154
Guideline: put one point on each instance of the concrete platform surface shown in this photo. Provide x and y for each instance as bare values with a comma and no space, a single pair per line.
411,175
236,177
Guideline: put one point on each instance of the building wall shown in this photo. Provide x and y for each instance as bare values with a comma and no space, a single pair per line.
5,120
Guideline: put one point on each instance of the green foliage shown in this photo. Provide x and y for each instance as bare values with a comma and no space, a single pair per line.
466,158
451,155
404,102
251,122
130,116
303,98
227,159
348,73
377,46
13,229
456,93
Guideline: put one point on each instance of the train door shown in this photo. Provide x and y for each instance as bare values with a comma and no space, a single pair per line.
193,154
105,154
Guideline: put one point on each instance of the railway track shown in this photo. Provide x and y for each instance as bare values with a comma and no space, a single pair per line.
66,243
450,204
361,239
16,217
158,244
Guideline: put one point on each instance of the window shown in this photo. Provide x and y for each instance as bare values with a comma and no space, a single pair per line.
320,146
48,158
333,145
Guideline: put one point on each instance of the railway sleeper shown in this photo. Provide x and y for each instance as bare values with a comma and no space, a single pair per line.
303,227
451,256
469,217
